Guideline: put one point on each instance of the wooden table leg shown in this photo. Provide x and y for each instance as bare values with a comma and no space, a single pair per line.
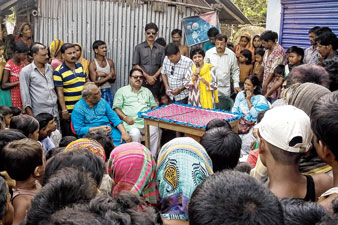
147,134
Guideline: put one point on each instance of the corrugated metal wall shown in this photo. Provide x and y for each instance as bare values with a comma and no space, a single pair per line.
298,17
120,25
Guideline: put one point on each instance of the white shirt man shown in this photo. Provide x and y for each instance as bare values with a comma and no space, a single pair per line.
226,66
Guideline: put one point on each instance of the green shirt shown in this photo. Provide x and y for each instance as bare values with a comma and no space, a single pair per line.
131,103
208,45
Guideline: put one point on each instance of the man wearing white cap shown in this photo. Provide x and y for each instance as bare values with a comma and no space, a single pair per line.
284,136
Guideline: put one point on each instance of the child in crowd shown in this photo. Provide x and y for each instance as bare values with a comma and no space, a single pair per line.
5,95
13,67
223,146
46,123
164,100
245,66
275,85
6,207
295,58
243,198
104,139
66,140
7,136
214,123
7,114
81,158
16,111
66,187
256,42
28,125
24,161
324,124
258,68
284,137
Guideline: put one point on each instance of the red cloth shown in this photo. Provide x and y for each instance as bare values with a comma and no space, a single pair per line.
252,158
14,71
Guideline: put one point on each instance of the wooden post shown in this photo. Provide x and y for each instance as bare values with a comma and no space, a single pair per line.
147,134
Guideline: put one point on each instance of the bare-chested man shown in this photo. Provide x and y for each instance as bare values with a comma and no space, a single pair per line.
176,35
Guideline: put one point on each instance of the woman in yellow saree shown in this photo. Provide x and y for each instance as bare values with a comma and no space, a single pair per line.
201,81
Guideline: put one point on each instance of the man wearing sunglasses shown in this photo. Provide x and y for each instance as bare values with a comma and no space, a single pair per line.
148,56
131,99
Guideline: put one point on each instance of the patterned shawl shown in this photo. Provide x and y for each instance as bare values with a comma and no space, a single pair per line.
182,165
133,168
90,144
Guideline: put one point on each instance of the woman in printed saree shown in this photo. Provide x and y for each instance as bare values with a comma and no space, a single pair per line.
201,81
133,169
182,165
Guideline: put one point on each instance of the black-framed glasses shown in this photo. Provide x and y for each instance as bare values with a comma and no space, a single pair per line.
137,77
153,33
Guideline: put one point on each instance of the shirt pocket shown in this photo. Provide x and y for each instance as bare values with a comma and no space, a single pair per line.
157,58
144,100
145,60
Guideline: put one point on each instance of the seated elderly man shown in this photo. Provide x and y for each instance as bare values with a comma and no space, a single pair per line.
131,99
93,113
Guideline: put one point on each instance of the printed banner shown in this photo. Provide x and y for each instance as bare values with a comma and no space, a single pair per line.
196,27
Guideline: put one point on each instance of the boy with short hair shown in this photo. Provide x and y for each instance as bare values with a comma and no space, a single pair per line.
284,136
295,58
223,146
25,163
212,33
102,71
324,124
46,122
231,197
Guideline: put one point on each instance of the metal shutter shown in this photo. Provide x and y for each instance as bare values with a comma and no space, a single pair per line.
298,17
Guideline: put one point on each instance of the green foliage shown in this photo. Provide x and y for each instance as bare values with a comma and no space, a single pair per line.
255,10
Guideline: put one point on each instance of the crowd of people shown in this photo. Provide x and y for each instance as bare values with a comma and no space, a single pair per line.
71,150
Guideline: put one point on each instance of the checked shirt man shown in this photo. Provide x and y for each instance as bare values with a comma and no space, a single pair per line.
174,69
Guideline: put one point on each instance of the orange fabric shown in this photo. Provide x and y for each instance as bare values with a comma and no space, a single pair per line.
239,48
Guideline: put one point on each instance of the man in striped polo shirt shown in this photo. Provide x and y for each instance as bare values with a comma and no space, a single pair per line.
69,79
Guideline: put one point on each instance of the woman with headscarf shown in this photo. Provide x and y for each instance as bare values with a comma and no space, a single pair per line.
133,169
90,144
79,55
244,43
96,148
55,53
182,165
